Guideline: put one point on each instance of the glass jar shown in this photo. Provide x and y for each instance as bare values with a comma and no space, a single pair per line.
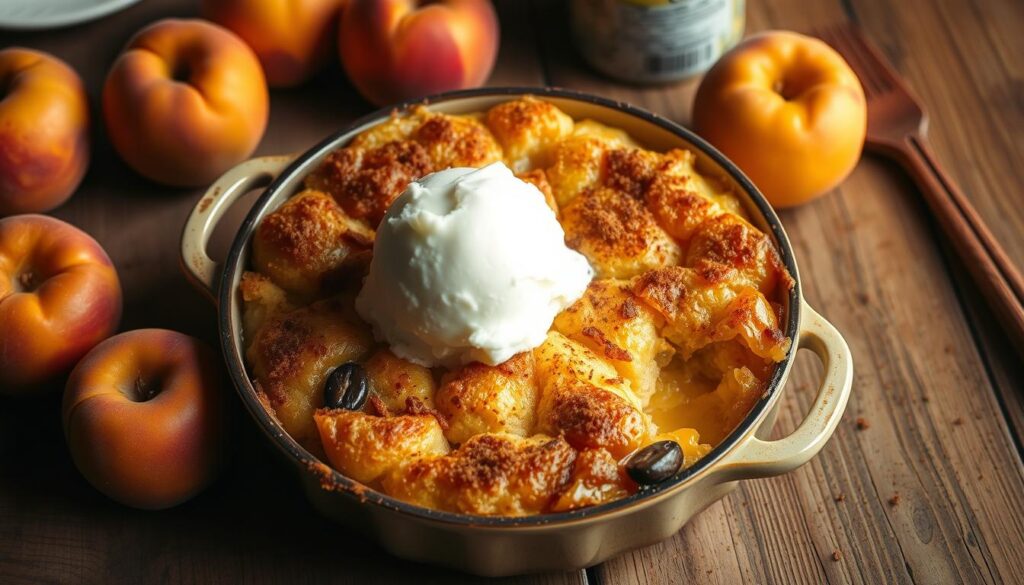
650,41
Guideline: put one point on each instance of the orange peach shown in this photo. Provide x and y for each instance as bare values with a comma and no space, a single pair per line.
186,101
44,131
395,50
292,38
59,297
788,110
144,417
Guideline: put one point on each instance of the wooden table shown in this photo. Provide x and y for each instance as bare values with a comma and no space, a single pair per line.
923,481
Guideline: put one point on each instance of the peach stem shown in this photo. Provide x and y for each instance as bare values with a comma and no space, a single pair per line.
145,390
25,282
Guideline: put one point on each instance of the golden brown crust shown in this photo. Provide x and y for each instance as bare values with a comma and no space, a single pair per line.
613,137
527,129
589,417
631,170
578,164
678,209
700,310
585,399
364,446
752,319
397,127
669,289
294,352
395,381
479,398
261,300
305,241
609,320
697,309
364,183
617,234
368,175
255,287
596,478
607,347
731,241
457,141
308,224
491,474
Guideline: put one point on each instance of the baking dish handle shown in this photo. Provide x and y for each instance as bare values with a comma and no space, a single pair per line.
200,269
761,458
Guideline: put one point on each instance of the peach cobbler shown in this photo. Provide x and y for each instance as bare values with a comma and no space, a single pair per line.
669,341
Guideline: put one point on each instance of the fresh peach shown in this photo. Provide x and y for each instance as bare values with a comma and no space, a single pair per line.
292,38
59,297
144,417
395,50
186,101
788,110
44,131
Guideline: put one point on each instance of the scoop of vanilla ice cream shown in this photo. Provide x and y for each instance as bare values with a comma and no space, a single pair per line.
469,265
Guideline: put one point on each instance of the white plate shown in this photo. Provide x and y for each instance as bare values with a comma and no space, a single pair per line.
41,14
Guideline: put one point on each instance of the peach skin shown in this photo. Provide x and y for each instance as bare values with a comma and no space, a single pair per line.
395,50
144,417
292,38
59,297
44,131
186,101
788,110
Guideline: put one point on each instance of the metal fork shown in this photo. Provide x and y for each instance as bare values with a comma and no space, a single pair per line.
897,125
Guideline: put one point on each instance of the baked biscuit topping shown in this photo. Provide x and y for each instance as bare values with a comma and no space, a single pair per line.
675,340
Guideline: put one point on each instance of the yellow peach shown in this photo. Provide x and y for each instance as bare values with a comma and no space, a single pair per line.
185,101
44,131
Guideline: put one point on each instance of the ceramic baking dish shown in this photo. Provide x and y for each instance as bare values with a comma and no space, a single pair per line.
563,541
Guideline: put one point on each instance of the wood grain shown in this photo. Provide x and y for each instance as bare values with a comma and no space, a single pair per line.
871,262
935,382
254,525
897,129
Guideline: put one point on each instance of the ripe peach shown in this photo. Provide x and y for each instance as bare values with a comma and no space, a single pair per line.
144,417
292,38
59,297
400,49
788,110
44,131
186,101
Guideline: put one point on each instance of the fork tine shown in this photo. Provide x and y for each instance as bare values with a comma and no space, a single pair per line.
868,66
840,37
881,62
876,76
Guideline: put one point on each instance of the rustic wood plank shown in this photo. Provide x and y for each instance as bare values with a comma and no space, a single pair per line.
882,280
253,526
937,435
975,130
1000,357
963,58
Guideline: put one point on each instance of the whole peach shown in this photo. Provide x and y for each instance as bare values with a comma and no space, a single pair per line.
185,101
144,417
292,38
44,131
788,110
59,297
395,50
